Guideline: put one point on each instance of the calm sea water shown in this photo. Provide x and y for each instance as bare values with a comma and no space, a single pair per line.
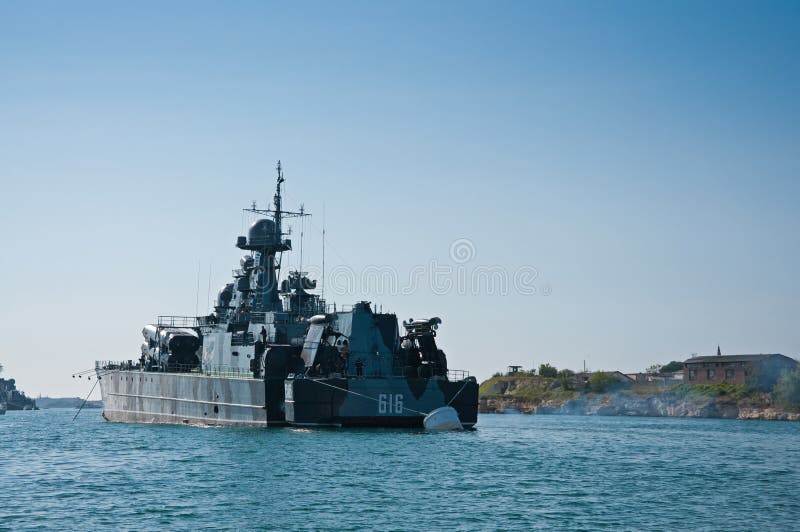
514,472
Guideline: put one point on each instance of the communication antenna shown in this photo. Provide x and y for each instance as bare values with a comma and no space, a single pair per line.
268,295
197,293
208,294
323,255
300,267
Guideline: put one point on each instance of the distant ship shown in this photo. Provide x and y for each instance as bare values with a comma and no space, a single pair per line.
272,353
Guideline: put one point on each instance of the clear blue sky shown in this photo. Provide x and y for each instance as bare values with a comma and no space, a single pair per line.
642,156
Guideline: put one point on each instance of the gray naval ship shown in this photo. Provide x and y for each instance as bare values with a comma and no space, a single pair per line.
272,353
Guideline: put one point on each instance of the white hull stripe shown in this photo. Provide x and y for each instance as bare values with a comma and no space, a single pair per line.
181,400
205,420
145,374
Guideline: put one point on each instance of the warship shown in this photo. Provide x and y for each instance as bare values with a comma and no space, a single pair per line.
274,353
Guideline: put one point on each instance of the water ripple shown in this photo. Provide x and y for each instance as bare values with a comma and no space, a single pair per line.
515,472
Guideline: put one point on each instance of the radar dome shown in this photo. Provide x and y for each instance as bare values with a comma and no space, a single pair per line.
262,233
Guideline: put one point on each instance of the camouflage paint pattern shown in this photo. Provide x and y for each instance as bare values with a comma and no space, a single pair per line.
196,399
377,402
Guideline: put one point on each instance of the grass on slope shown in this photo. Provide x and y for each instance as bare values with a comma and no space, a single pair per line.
527,387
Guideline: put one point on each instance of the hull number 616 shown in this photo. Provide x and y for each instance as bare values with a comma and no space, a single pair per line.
390,403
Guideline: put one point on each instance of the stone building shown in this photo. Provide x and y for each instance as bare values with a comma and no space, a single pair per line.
760,371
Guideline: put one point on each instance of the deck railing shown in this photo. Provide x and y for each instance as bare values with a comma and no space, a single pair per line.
237,371
177,321
212,370
457,374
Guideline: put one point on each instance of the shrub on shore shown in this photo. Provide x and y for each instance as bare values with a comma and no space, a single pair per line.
600,382
729,392
565,379
675,365
546,370
787,390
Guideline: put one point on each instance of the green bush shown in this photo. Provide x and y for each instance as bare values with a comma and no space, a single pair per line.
565,378
546,370
729,392
787,390
765,378
652,370
600,381
672,366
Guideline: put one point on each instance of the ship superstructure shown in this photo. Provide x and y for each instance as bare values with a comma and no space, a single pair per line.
273,353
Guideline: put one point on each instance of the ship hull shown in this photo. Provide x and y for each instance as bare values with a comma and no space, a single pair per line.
182,398
377,402
132,396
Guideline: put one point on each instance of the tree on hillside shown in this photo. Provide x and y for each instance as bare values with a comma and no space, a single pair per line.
652,370
600,381
787,389
675,365
546,370
565,378
1,368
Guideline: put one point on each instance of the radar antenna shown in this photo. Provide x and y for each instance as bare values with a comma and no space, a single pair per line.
277,212
302,230
270,247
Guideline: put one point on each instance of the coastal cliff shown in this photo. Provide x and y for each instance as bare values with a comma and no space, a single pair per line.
14,399
540,395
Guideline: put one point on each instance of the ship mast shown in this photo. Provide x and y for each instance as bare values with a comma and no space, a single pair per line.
277,199
268,245
277,213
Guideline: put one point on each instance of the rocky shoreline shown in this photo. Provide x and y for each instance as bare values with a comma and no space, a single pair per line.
632,405
14,399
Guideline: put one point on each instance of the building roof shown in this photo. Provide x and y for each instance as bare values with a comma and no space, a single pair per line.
735,358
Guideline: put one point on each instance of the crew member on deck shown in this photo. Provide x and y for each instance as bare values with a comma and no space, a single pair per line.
359,368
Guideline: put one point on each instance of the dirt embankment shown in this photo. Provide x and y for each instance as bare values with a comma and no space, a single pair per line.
537,395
